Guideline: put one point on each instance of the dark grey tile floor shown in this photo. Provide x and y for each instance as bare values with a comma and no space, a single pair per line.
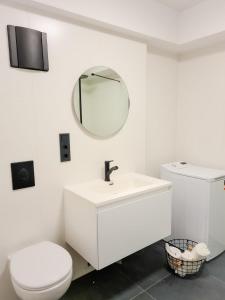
144,276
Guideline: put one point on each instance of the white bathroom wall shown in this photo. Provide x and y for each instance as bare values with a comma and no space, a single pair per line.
201,109
151,21
148,17
202,20
37,106
161,110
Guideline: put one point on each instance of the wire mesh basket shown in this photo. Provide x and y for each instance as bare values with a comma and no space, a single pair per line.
179,266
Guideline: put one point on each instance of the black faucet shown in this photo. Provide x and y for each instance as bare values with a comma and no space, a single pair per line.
109,170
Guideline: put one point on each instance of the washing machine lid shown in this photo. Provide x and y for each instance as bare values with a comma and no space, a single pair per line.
190,170
40,266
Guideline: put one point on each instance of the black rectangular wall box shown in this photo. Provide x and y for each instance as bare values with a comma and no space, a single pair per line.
27,48
64,142
22,174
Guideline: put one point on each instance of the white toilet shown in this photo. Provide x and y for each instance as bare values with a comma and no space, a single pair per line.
41,272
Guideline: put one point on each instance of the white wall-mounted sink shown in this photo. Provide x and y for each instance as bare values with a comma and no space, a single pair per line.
100,192
104,222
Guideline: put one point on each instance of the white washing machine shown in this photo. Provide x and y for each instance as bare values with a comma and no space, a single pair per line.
198,204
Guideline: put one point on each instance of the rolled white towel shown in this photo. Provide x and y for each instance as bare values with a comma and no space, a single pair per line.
173,251
187,255
200,251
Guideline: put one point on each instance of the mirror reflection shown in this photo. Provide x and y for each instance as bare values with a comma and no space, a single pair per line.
101,101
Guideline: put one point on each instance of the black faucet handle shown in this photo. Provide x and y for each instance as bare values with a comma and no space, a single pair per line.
109,170
107,162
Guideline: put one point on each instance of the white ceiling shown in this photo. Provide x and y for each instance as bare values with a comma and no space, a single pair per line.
180,4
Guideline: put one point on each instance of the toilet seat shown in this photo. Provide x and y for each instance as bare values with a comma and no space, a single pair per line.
64,281
40,267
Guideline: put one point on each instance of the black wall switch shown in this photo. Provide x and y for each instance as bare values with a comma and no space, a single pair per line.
27,48
22,174
64,142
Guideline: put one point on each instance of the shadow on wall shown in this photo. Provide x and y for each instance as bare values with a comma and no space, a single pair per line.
6,288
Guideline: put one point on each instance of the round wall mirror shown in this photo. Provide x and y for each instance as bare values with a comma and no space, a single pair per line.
101,101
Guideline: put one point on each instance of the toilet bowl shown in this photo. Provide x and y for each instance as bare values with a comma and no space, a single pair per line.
41,272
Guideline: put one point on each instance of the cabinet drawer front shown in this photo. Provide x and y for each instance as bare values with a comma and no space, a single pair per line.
129,227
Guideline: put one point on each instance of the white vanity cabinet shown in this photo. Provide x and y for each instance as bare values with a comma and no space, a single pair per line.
105,225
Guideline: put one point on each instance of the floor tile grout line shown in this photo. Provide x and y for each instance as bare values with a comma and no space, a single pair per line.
218,279
157,282
143,292
153,298
144,289
131,280
136,295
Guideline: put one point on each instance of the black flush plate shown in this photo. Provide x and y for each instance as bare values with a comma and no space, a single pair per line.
27,48
22,174
64,141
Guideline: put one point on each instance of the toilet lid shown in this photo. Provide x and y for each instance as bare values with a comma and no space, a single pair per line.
40,266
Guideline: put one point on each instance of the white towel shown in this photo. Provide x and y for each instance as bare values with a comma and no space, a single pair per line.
200,251
187,256
175,252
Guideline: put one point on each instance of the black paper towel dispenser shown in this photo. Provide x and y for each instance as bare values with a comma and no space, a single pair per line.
28,48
